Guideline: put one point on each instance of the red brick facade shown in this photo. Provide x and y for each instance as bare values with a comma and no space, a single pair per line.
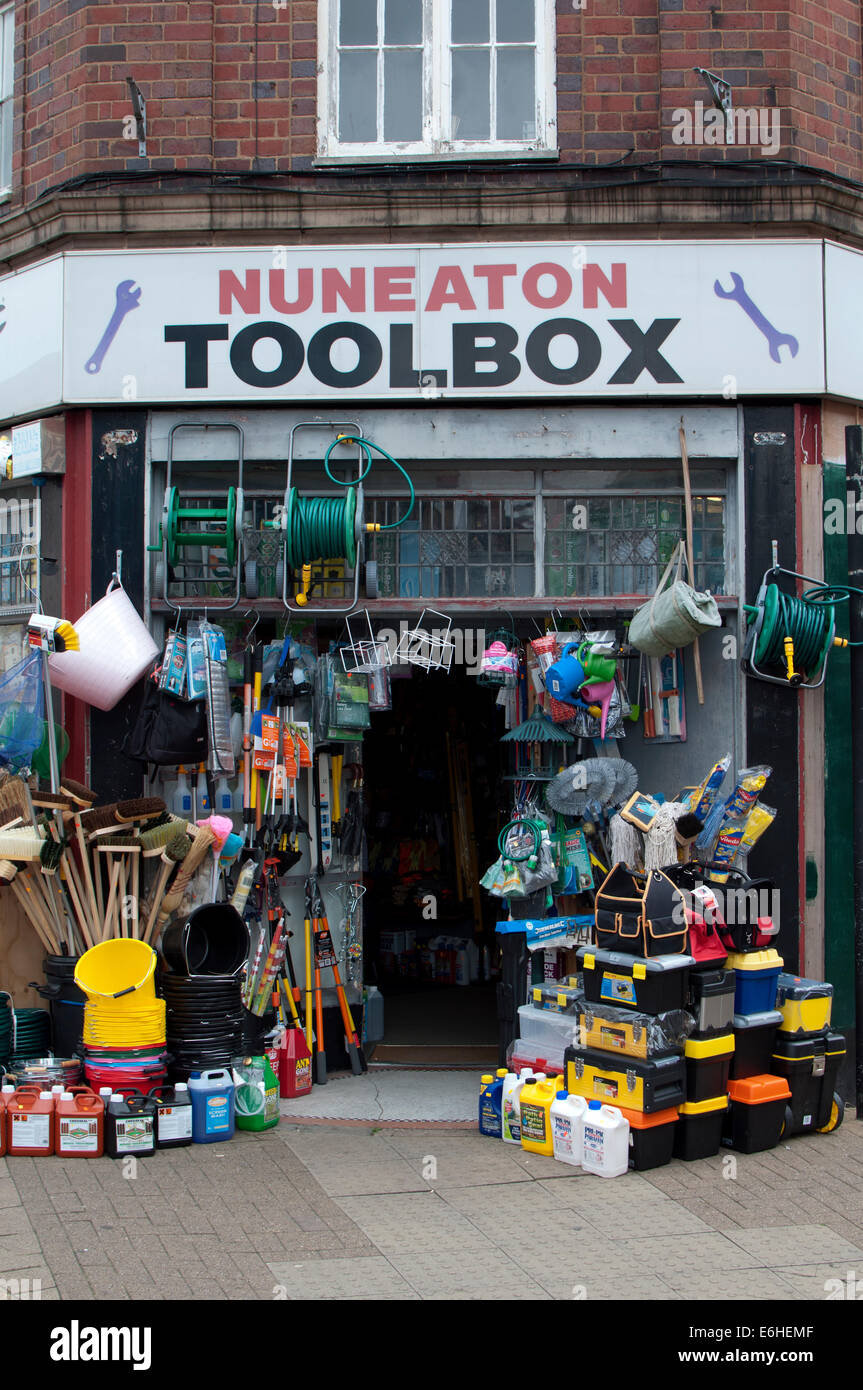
233,86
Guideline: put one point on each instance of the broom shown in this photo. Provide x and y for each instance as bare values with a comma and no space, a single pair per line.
201,847
174,853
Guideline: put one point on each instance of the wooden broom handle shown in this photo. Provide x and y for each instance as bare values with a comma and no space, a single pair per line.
690,553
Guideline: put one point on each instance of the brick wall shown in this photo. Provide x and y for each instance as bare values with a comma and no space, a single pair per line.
232,86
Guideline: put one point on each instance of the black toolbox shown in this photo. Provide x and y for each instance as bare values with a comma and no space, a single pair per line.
754,1036
698,1133
810,1064
756,1116
707,1064
711,1001
653,986
628,1082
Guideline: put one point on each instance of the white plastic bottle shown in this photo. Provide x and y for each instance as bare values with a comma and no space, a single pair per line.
567,1120
510,1114
605,1141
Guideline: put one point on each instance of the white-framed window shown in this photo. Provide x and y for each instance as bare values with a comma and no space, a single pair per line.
436,79
7,45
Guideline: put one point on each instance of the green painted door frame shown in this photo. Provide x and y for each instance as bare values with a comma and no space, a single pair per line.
838,785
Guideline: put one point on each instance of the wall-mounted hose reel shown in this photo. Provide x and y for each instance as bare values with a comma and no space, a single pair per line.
318,529
789,638
188,533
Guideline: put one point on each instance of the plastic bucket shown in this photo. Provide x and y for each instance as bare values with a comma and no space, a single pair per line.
214,940
116,648
66,1002
118,975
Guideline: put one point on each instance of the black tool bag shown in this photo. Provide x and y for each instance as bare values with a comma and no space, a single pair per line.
169,730
641,914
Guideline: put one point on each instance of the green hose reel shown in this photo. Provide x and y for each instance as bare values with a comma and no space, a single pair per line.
789,639
223,535
317,529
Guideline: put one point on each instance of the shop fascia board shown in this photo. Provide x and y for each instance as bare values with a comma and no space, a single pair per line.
467,433
90,217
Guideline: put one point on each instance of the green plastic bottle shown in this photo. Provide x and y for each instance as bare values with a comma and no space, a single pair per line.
257,1095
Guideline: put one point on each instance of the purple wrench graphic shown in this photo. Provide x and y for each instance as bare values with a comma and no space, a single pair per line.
775,339
127,299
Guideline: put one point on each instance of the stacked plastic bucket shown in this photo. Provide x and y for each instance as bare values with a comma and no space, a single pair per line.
203,956
124,1022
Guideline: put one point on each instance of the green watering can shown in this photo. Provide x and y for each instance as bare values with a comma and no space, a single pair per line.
597,665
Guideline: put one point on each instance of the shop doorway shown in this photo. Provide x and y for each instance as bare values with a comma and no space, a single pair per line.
428,927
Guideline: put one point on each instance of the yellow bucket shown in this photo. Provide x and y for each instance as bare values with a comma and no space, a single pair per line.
136,1028
118,975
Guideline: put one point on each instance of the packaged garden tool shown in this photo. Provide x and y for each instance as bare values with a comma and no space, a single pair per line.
702,799
218,695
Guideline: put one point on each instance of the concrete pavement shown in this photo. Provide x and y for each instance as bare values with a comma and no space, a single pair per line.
429,1213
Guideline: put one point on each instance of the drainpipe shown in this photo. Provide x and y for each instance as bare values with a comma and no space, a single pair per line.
854,476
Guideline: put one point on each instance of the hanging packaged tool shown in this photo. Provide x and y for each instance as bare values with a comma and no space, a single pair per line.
218,694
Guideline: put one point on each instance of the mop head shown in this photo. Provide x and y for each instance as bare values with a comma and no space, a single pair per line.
660,842
625,845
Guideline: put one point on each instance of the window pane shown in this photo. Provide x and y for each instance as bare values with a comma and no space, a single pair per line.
471,109
6,144
358,21
403,119
358,95
516,107
403,21
515,21
470,21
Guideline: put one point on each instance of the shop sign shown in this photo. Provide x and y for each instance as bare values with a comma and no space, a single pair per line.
617,319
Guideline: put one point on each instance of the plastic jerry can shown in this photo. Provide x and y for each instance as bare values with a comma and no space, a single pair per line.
257,1095
79,1123
491,1104
295,1065
606,1141
567,1119
510,1119
534,1106
29,1123
212,1095
130,1125
173,1116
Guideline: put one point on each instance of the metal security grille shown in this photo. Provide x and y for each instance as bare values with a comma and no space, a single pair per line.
601,546
456,548
20,537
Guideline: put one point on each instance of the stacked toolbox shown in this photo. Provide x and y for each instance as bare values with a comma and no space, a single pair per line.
709,1054
631,1028
808,1055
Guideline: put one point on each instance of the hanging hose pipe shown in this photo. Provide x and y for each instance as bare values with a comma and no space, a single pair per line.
328,528
795,635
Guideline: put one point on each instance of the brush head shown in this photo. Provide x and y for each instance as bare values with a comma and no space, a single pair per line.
141,808
159,833
687,827
100,821
22,843
53,801
177,847
120,844
8,870
84,797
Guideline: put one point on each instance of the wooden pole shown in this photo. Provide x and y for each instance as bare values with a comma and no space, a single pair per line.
687,493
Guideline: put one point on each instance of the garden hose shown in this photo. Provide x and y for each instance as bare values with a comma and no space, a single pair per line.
327,528
795,635
532,854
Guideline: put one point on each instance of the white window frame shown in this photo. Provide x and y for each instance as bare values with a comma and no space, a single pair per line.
7,90
437,142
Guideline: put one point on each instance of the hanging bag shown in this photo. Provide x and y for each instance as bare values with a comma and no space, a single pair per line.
169,730
676,615
641,914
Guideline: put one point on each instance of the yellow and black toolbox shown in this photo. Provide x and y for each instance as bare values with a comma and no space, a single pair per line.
631,1034
628,1082
810,1064
652,986
805,1005
558,996
699,1128
708,1062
